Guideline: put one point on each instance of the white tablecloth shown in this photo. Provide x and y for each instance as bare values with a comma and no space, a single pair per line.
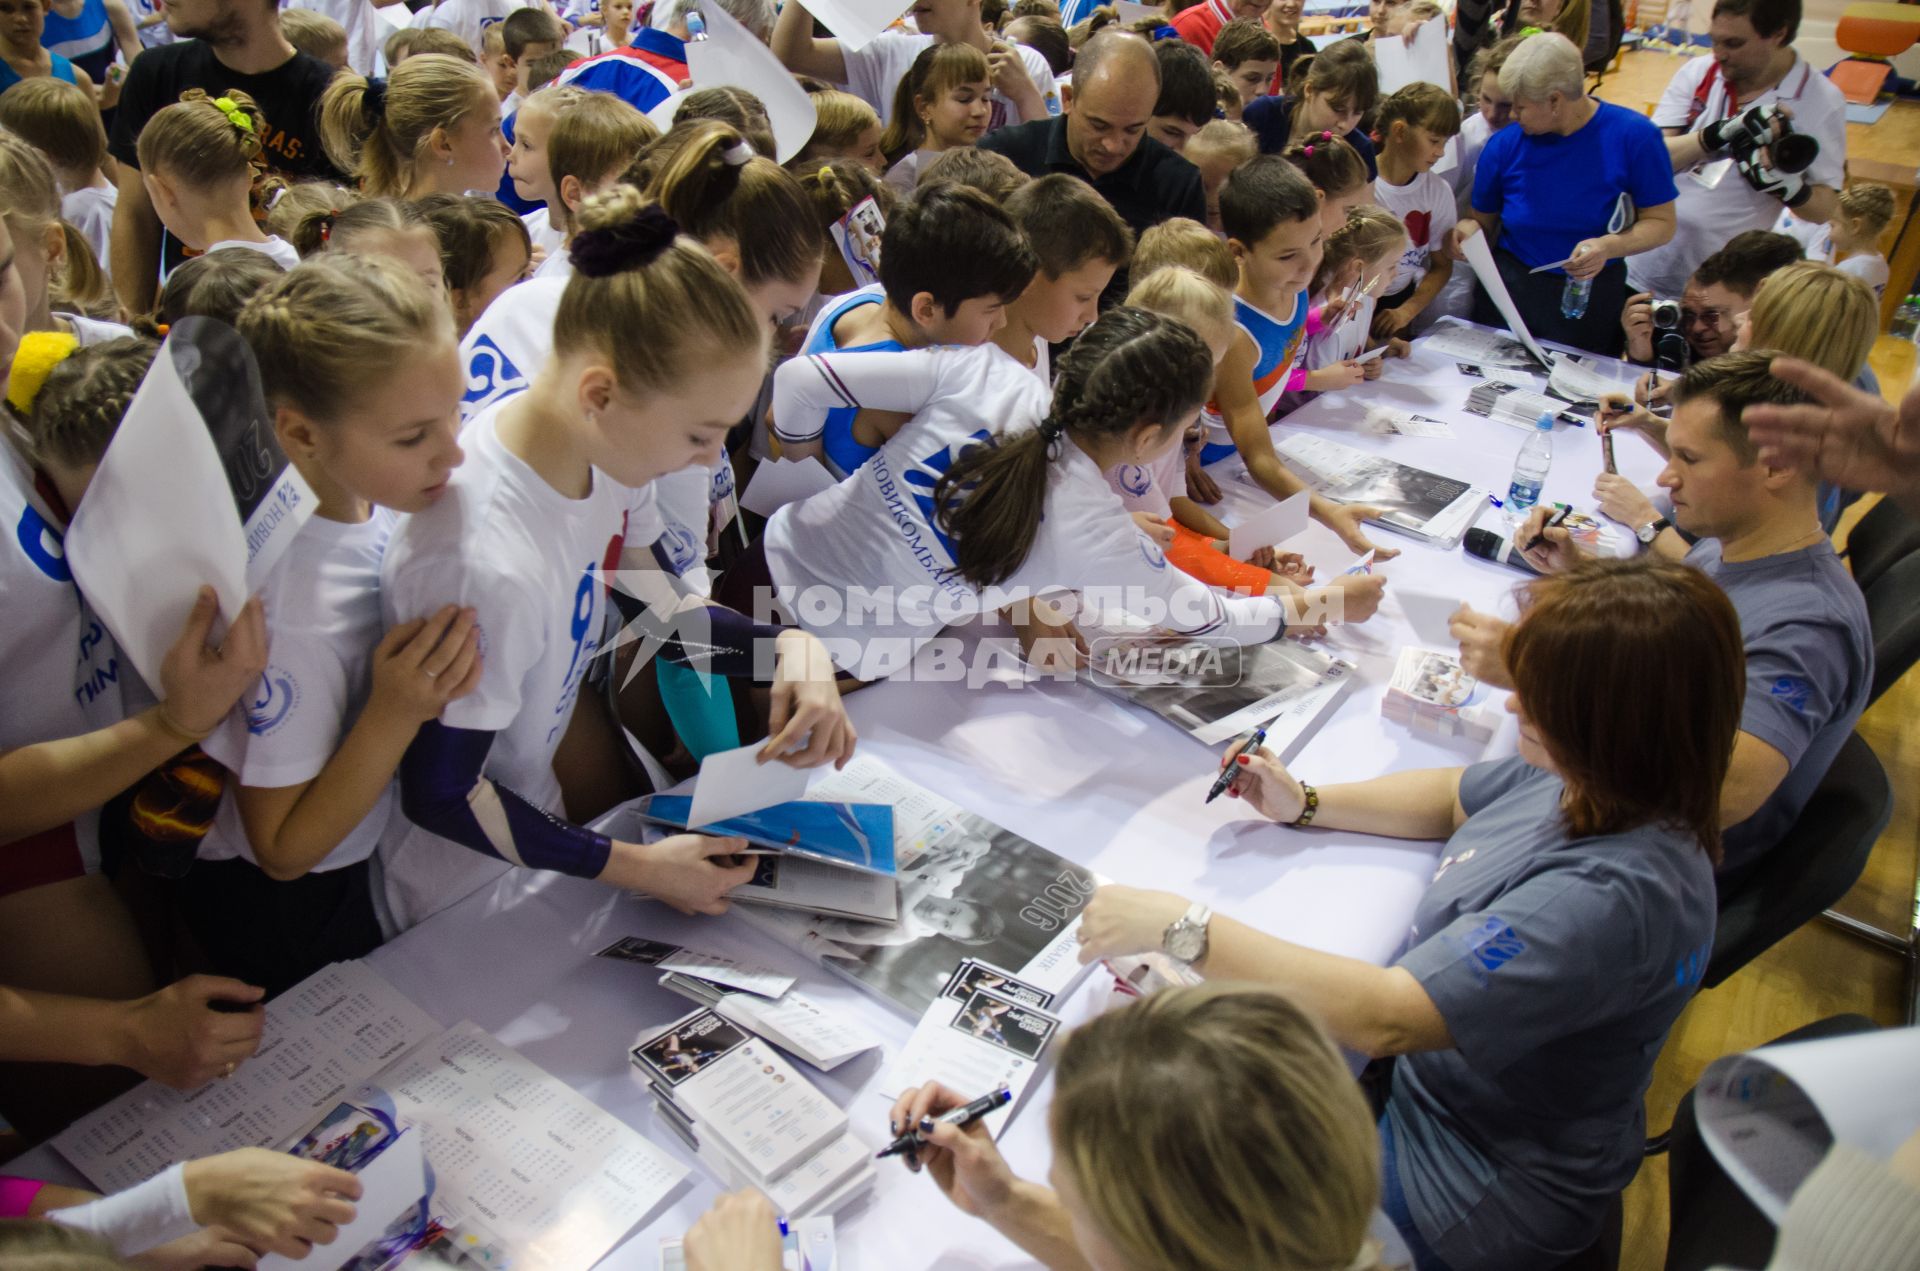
1105,784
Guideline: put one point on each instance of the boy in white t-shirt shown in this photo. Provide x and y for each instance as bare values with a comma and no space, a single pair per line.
1022,80
1416,125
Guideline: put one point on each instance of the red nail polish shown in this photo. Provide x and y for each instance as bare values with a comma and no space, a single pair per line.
1242,760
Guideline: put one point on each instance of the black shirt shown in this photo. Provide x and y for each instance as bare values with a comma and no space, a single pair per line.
1153,185
1289,54
1271,119
288,95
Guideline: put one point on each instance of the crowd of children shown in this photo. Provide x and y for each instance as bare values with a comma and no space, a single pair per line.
524,338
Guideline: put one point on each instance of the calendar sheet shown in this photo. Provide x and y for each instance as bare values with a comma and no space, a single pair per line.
323,1037
519,1153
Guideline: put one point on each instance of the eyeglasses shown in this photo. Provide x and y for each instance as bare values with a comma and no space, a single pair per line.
1702,317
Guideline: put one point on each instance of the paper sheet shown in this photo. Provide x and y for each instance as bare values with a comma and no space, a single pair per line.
1479,254
1769,1116
972,1045
1427,613
778,482
1269,528
732,56
731,783
1477,346
1423,60
523,1154
714,968
830,1038
325,1035
855,22
193,491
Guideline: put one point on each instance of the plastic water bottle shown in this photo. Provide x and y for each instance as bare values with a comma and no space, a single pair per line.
1573,297
1906,319
1530,468
1898,367
696,25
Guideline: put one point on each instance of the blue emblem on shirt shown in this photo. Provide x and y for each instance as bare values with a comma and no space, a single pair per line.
490,373
1792,690
1490,946
279,694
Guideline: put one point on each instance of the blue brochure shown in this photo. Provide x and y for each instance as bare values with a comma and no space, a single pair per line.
854,835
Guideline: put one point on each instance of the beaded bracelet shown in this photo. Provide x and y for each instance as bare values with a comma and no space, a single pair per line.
1312,797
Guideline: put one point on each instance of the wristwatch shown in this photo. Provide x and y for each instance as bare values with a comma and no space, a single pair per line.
1651,530
1185,940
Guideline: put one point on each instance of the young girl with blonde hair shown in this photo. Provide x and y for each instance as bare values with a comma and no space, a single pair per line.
1360,258
197,160
433,127
58,274
943,102
845,127
528,168
63,122
393,229
658,352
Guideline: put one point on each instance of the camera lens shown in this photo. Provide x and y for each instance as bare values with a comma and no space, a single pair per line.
1795,152
1666,314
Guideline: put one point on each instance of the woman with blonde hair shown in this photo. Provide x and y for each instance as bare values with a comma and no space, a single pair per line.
433,127
1267,1159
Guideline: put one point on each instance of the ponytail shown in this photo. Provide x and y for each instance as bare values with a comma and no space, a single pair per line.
375,129
1335,168
937,69
707,176
201,140
82,286
1129,368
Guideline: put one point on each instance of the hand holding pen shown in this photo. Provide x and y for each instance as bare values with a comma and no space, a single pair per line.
1248,745
963,1161
1544,541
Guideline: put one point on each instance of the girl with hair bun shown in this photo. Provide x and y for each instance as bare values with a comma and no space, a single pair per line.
658,352
433,127
197,159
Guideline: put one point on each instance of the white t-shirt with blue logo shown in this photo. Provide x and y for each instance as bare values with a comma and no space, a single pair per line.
875,537
1151,487
323,607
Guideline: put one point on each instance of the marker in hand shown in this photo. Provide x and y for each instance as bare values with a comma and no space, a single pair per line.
963,1116
1553,522
1227,770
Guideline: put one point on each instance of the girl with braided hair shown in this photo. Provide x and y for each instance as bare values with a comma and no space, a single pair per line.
656,353
197,160
991,495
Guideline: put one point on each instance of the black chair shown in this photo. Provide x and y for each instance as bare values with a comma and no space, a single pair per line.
1882,537
1711,1221
1893,614
1820,858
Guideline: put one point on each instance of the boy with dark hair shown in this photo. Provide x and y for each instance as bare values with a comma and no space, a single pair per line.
1080,242
1187,102
951,261
1249,55
1717,293
992,174
526,36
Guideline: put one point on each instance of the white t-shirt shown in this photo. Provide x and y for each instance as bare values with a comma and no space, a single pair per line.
90,210
557,267
1151,487
874,537
1347,338
875,70
1474,131
543,232
157,34
1426,206
63,671
323,606
905,175
468,18
276,247
365,30
1710,214
1870,268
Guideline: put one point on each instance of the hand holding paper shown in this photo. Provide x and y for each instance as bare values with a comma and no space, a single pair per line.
734,782
1268,529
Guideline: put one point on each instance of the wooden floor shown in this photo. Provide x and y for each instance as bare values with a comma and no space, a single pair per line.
1820,970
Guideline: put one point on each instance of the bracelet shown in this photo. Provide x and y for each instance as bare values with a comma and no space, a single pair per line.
175,729
1312,797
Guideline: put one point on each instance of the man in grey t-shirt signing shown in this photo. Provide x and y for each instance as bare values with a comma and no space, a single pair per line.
1802,618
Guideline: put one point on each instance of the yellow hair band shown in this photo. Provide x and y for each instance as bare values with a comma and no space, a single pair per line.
237,117
38,354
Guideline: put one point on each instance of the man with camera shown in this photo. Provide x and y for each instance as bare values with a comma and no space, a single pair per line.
1705,320
1750,127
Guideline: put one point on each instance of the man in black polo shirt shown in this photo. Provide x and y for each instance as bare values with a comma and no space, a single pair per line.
232,44
1102,137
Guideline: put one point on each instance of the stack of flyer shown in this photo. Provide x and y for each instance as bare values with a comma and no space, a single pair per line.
1432,693
757,999
986,1029
751,1117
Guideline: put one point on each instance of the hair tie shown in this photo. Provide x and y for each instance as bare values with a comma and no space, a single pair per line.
373,103
739,154
1165,33
1326,136
235,116
326,221
1051,430
1308,152
33,361
632,244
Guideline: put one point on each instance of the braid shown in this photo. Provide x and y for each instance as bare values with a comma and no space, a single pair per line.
1367,231
80,406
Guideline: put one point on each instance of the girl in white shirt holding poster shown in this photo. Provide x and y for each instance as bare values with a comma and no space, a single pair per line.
658,353
988,497
282,886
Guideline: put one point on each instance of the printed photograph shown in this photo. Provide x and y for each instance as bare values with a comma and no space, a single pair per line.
1003,1022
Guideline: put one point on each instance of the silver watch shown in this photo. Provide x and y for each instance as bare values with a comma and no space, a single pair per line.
1651,530
1185,940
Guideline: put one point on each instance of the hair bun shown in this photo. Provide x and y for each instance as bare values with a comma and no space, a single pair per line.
631,242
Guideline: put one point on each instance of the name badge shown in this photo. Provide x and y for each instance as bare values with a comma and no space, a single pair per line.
1709,175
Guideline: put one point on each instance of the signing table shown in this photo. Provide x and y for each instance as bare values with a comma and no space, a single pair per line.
1103,783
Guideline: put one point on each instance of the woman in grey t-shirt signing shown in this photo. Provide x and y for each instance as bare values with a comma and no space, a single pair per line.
1568,924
